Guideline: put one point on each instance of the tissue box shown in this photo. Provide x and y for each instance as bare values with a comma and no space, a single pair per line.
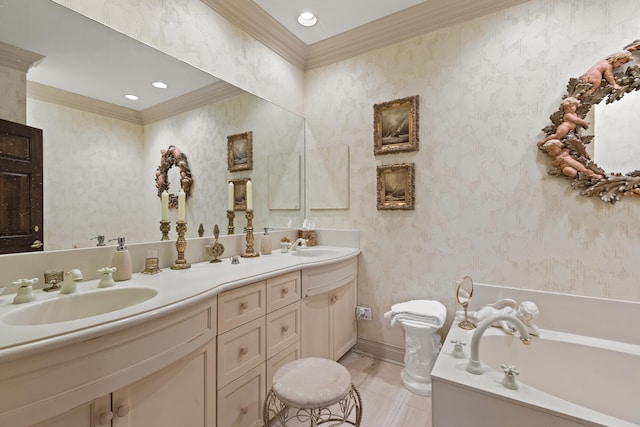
309,236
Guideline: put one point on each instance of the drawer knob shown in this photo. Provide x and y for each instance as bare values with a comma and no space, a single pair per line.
244,410
105,418
334,298
122,410
244,305
285,291
244,350
285,328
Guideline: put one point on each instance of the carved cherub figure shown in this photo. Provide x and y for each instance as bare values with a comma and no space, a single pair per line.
526,311
604,68
633,46
561,159
570,120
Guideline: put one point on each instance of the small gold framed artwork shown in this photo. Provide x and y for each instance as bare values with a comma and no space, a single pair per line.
395,125
239,194
396,187
240,151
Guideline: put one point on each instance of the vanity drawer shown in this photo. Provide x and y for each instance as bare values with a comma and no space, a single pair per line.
240,305
283,328
240,350
283,290
240,403
287,355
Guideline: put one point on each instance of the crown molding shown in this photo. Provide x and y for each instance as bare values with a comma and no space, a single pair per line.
80,102
198,98
17,58
420,19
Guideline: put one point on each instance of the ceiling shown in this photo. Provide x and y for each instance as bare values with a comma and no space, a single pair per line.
334,16
346,27
83,57
78,52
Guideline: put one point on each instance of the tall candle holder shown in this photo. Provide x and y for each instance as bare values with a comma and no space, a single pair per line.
250,252
181,245
165,227
230,216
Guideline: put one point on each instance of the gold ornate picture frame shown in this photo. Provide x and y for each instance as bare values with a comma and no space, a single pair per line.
395,125
240,194
240,151
396,188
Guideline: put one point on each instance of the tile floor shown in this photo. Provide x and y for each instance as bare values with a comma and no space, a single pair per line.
385,401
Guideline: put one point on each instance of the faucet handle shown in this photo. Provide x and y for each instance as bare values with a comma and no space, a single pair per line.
509,380
458,352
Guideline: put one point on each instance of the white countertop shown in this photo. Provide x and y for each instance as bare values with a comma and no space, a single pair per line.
177,289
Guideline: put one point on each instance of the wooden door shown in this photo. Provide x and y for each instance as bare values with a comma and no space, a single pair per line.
21,188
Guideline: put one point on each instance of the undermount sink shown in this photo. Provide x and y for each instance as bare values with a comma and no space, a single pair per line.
78,306
314,252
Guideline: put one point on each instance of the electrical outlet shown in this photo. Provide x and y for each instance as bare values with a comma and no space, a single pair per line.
363,312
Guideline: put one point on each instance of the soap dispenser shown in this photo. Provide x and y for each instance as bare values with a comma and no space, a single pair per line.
122,262
265,243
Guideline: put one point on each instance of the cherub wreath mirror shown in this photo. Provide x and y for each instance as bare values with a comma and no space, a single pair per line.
609,79
170,157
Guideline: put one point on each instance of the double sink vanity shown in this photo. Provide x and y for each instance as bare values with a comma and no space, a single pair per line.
194,347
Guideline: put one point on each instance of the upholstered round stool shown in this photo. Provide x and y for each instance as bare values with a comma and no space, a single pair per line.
312,390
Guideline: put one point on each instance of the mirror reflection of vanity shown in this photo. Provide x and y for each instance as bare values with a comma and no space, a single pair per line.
100,157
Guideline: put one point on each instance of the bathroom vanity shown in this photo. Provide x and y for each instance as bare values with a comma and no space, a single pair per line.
199,353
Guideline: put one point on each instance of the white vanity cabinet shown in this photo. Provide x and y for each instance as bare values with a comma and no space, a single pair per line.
154,373
203,360
329,296
258,328
175,395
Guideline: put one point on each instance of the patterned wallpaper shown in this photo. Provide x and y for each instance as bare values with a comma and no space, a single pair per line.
485,205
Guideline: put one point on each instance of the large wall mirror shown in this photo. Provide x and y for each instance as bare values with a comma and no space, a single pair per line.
101,151
592,138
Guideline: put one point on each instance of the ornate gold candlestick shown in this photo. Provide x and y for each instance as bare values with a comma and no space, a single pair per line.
165,226
250,252
230,216
181,245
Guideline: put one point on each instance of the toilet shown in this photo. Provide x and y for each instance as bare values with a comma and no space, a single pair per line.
421,320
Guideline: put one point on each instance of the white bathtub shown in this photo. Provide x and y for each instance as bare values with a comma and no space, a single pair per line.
564,379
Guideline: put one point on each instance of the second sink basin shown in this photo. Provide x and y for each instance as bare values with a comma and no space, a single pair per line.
63,308
310,252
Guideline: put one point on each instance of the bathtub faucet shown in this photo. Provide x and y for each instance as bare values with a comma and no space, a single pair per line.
474,365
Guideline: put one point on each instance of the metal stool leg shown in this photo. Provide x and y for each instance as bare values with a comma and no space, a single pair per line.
275,409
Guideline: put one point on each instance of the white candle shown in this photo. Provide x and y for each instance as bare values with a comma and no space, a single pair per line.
249,196
230,197
181,207
165,205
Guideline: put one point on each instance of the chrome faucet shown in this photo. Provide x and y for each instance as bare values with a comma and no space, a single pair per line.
474,365
301,242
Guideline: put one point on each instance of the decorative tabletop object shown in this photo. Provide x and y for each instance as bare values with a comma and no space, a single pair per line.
217,249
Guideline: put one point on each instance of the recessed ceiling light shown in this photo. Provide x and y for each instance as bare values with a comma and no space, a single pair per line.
307,19
159,85
132,97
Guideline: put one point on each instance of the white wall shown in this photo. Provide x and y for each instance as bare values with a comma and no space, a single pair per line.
485,206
